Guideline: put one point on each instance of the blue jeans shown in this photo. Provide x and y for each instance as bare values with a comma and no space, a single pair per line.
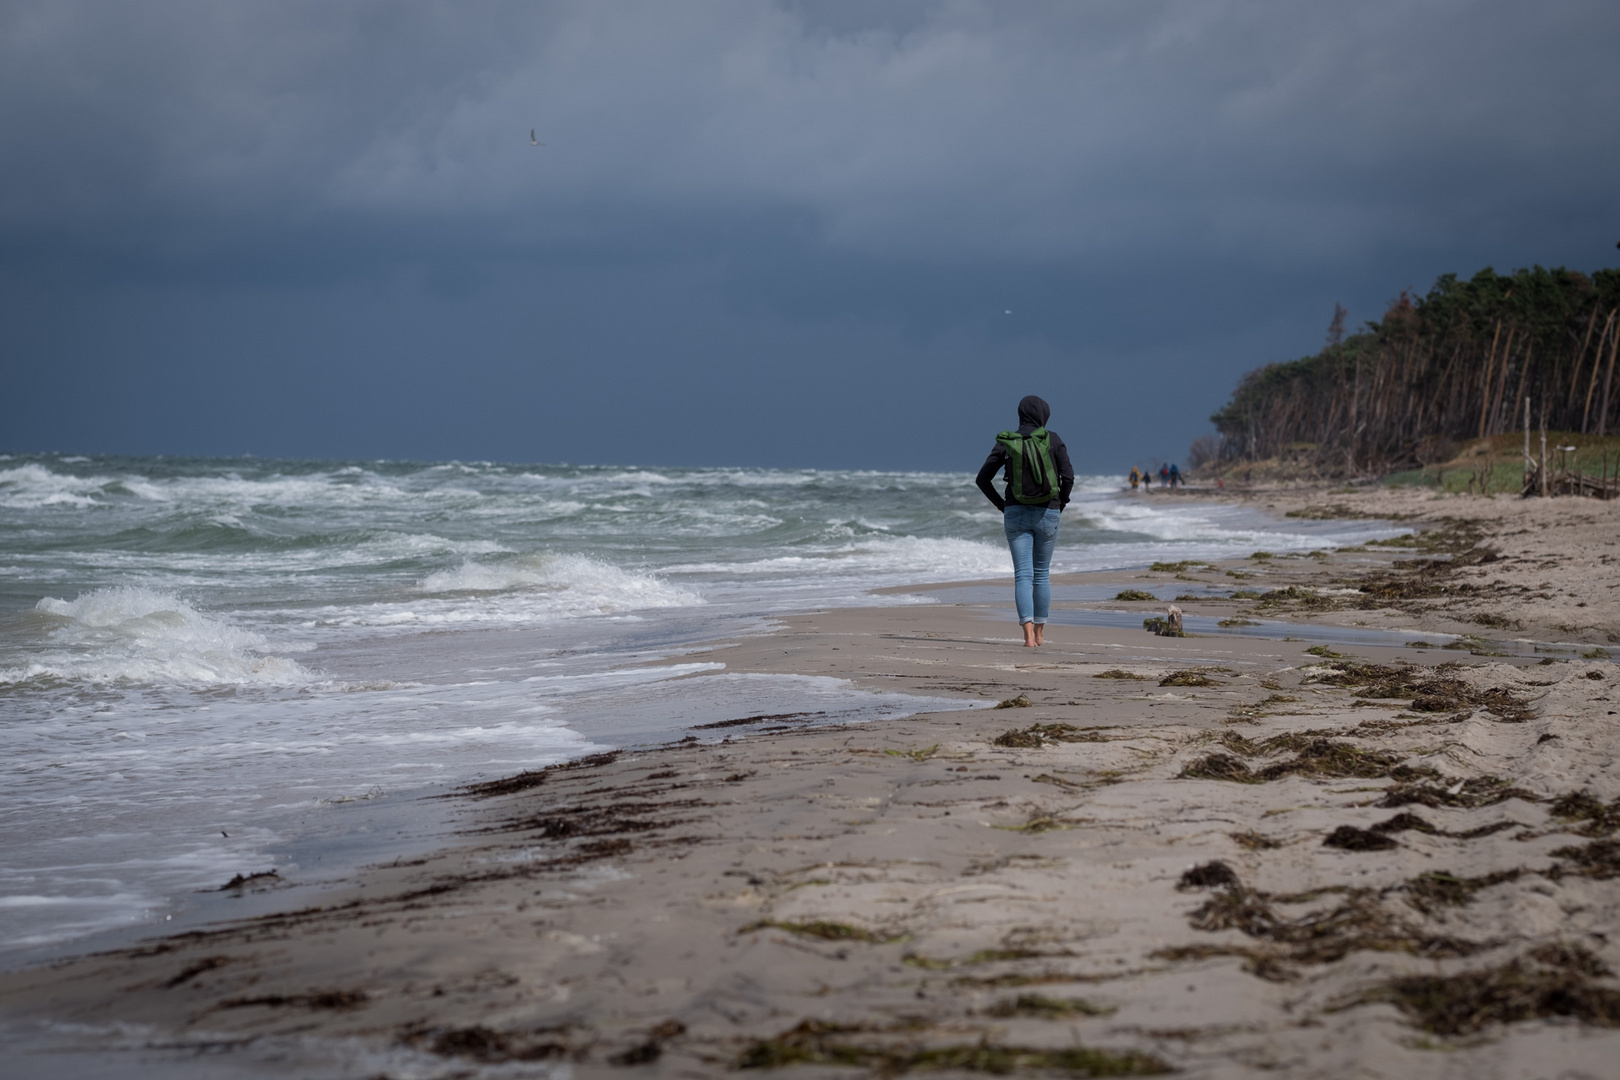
1032,534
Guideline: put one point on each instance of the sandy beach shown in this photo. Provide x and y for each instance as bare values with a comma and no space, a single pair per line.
1214,855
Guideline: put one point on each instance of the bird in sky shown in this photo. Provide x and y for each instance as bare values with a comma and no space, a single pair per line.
532,140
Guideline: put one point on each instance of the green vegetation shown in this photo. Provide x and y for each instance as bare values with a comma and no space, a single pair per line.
1440,370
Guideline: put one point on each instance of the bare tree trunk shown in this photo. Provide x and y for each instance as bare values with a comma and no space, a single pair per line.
1542,471
1501,385
1586,413
1485,393
1580,358
1608,380
1526,485
1524,377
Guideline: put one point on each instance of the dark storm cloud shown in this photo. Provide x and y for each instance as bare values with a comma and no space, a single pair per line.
1146,183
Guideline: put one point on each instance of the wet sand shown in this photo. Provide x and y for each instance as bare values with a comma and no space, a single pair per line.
1215,855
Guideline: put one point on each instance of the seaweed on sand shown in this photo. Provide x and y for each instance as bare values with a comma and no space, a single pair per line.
531,778
480,1043
763,718
1317,758
1430,690
1553,980
1299,598
1600,860
826,930
815,1042
1440,888
1350,838
1119,673
1466,794
1038,735
601,820
1358,922
1596,818
1046,1008
341,1000
1189,678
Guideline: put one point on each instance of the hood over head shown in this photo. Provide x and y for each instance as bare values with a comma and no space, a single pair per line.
1033,411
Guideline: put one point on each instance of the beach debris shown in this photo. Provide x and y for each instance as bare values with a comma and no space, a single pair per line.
1236,620
1020,702
1158,624
1172,620
1250,840
1120,673
242,881
1553,980
1132,595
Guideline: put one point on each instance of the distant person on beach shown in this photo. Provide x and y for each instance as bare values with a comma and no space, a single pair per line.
1136,478
1035,465
1175,477
1164,476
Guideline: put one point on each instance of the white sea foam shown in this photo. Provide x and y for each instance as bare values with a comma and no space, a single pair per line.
29,487
130,634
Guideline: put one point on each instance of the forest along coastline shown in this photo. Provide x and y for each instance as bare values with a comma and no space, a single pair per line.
1206,854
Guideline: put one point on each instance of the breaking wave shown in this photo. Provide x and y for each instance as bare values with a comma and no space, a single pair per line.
131,634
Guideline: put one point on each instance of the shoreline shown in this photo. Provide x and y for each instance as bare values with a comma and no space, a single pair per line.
968,889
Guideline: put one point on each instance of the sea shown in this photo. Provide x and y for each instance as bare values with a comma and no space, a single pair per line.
212,667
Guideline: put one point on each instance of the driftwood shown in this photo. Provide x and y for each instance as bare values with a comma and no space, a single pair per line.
1166,625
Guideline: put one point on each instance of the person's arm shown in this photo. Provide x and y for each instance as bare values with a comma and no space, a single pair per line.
1065,471
987,476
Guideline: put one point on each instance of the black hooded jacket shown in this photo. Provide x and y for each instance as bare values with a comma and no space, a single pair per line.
1032,413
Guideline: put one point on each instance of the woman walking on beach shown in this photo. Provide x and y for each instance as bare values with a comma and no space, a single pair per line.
1039,478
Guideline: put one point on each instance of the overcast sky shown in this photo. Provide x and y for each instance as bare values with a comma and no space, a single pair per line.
844,234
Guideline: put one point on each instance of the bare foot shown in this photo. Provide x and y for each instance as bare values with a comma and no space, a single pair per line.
1031,635
1040,634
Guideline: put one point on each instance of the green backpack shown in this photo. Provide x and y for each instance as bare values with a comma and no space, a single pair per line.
1029,463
